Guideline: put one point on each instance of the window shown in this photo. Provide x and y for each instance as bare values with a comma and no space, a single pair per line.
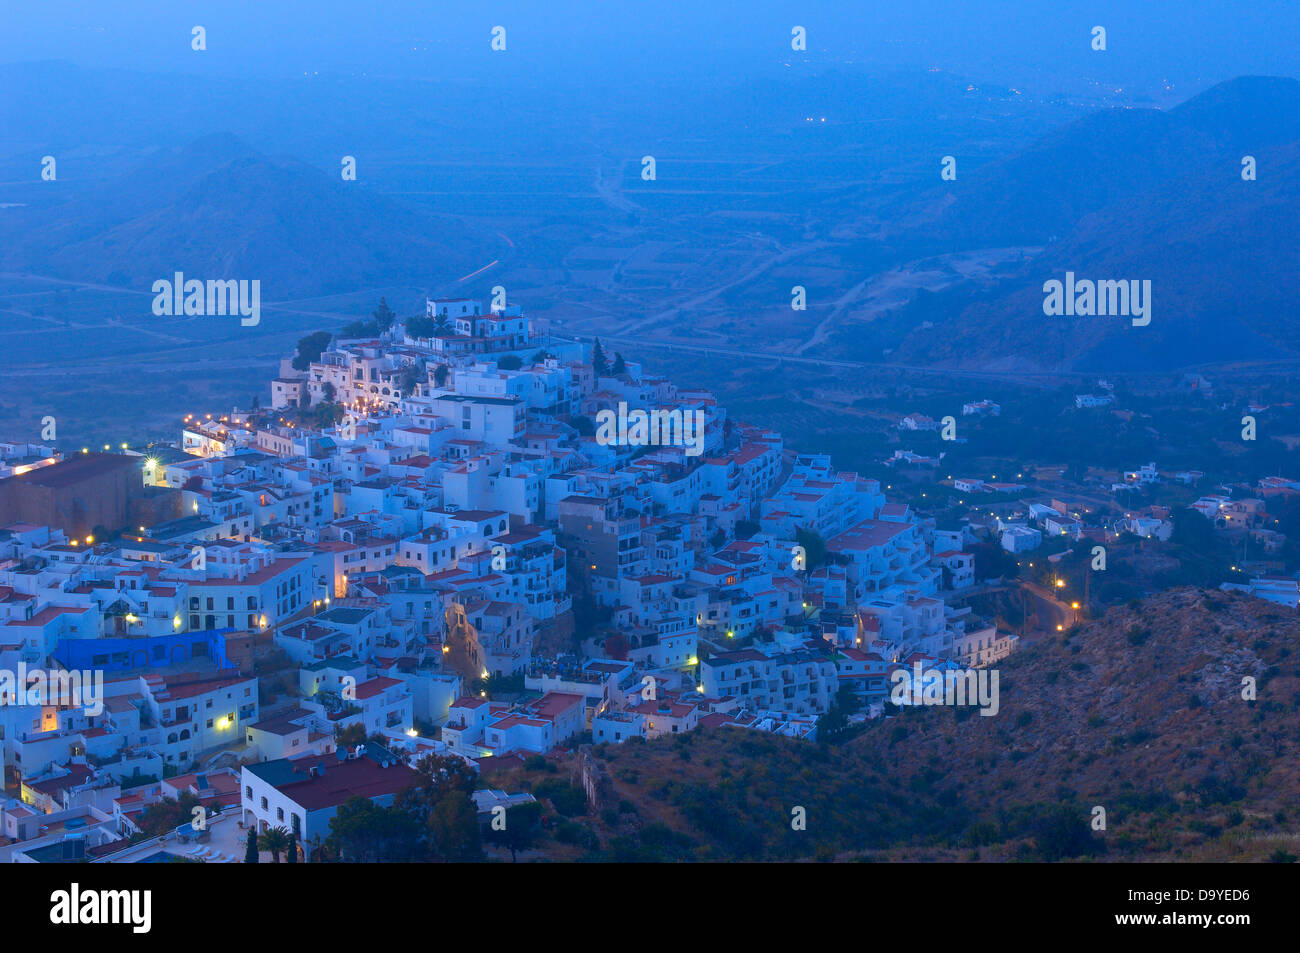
279,813
248,792
264,804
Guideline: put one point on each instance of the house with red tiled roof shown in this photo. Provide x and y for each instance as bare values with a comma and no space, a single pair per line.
302,795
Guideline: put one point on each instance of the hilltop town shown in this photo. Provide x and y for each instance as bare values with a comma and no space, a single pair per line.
423,547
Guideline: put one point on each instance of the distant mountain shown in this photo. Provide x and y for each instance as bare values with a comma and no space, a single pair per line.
1113,155
218,209
1132,195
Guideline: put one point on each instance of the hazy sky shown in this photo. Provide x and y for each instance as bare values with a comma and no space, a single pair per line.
1031,42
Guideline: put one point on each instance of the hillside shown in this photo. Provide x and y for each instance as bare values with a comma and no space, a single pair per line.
1125,194
1219,253
1139,712
218,209
1113,155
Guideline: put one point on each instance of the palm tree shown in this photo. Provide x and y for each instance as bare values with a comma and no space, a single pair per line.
275,841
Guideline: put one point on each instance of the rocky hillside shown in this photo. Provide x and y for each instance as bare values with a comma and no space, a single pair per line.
1140,713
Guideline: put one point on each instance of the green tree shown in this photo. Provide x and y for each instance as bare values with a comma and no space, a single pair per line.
453,826
167,815
350,735
832,725
274,842
412,375
310,348
510,362
814,547
440,374
566,798
250,847
291,851
363,832
620,367
992,562
522,823
384,315
440,802
1193,530
1061,832
421,326
598,359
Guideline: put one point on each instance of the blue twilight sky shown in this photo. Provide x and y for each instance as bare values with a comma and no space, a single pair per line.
1041,44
